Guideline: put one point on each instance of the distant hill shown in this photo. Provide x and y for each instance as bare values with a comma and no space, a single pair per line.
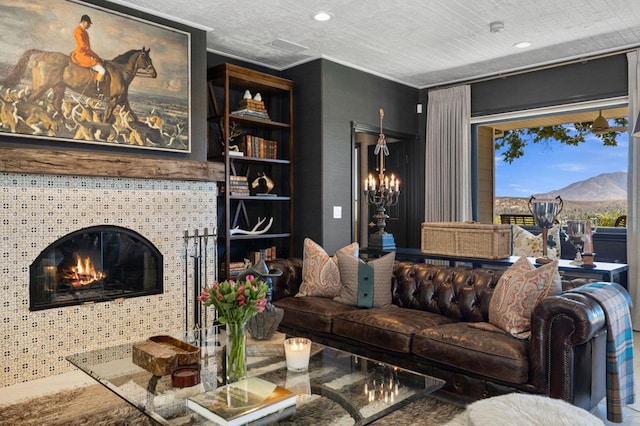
604,187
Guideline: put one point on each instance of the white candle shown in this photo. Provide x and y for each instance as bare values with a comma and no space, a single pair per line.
297,351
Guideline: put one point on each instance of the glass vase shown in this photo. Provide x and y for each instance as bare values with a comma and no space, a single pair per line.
236,353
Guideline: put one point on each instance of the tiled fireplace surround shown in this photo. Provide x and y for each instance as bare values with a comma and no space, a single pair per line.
36,210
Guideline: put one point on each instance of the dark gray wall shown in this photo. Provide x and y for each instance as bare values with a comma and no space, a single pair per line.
308,153
584,81
329,97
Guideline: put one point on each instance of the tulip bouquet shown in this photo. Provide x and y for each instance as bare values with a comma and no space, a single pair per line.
236,302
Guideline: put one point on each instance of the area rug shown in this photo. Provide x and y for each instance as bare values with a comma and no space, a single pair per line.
96,406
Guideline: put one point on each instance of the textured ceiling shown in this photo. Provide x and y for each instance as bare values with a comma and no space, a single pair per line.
419,43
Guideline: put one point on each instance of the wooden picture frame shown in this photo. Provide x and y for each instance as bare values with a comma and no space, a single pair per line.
143,102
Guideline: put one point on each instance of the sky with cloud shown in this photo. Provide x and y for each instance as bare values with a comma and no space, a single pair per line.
550,166
49,24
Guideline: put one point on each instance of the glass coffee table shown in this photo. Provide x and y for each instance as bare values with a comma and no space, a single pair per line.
338,388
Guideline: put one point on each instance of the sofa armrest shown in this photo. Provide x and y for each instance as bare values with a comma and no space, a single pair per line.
568,337
289,283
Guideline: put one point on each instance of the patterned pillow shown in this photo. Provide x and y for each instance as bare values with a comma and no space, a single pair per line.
517,293
527,244
320,273
367,285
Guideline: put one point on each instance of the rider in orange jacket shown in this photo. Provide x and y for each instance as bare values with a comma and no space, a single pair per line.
83,55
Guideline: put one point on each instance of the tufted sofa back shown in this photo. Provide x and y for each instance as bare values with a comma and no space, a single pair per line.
456,292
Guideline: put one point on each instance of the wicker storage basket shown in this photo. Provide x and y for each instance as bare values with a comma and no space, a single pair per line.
462,239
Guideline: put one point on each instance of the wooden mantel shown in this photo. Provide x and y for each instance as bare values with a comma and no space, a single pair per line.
81,163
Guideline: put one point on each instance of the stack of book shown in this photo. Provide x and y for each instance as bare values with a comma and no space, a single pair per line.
238,185
234,268
255,146
249,401
252,108
269,253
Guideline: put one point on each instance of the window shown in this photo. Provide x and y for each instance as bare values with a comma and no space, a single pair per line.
590,177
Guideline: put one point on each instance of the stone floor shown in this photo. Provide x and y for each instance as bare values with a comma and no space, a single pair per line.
24,391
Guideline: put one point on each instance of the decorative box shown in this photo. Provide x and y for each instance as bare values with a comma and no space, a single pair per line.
466,239
161,355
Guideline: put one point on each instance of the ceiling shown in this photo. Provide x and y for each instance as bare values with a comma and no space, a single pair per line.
555,119
418,43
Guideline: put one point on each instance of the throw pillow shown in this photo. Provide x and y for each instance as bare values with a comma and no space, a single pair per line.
320,274
367,285
518,291
527,244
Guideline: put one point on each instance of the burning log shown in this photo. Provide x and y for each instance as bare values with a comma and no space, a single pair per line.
83,273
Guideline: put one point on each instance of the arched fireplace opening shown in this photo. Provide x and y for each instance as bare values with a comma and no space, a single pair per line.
95,264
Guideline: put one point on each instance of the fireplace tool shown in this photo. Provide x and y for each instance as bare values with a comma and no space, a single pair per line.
199,255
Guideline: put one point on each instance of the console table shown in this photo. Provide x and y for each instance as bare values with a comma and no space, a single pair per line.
605,271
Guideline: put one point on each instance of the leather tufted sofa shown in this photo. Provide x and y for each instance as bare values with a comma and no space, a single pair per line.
437,326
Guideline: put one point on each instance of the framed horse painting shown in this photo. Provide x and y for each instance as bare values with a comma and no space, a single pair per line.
73,71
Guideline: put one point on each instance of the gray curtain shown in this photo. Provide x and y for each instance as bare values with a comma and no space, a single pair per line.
448,155
633,189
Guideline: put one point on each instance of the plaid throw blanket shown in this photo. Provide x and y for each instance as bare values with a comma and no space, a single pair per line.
616,303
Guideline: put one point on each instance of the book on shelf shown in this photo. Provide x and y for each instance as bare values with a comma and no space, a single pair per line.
234,267
246,401
269,253
238,185
250,113
255,146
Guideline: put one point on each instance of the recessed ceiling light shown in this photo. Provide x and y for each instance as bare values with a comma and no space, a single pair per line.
322,16
522,44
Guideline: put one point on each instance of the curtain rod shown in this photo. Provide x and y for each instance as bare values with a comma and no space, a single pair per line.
533,69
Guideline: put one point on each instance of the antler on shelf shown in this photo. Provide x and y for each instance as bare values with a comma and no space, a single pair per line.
253,231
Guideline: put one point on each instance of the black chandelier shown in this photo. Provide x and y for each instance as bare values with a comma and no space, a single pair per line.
382,195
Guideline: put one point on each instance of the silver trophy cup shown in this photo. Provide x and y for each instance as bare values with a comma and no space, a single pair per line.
544,213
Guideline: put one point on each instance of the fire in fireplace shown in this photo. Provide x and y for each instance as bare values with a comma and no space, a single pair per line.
95,264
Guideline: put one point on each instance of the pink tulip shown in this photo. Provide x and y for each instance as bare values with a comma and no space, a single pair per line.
204,295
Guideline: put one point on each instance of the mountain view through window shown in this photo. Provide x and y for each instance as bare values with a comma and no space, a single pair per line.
589,177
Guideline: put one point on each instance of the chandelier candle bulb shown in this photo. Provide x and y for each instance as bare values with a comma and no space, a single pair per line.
297,351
